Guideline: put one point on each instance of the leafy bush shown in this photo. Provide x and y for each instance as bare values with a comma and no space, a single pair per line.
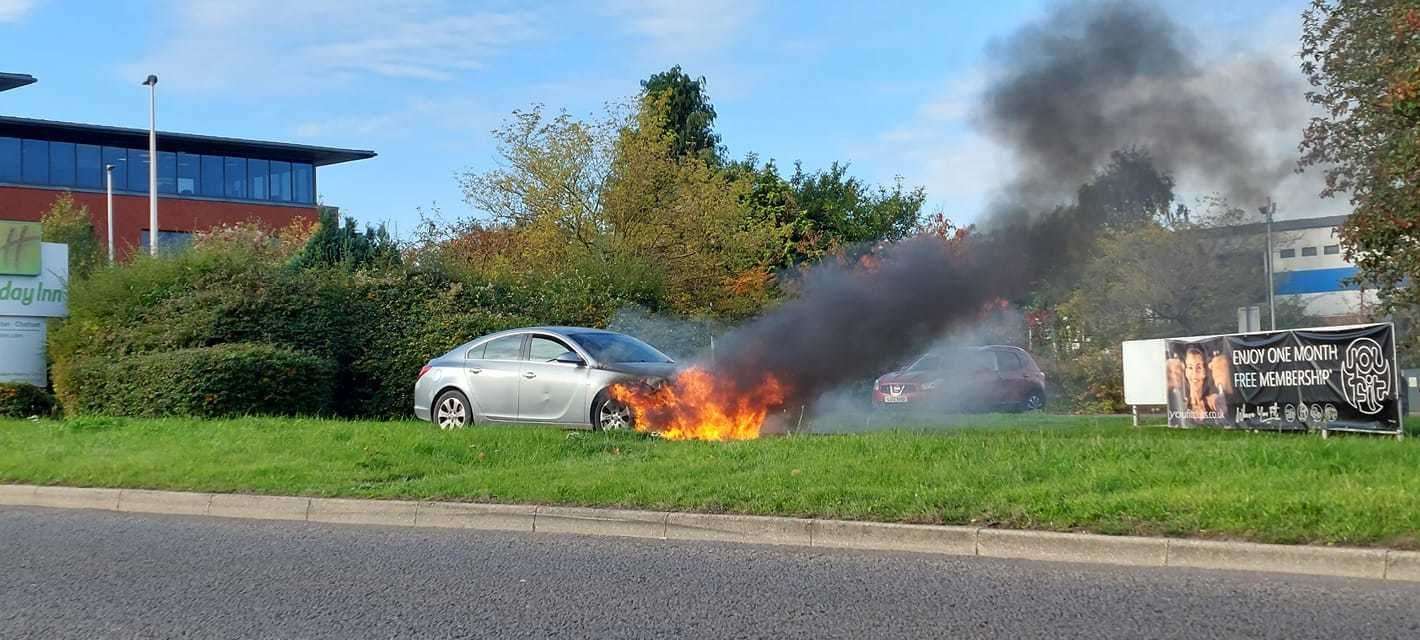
24,400
223,380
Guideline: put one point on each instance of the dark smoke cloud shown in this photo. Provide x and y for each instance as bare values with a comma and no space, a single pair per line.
1089,79
1094,77
850,321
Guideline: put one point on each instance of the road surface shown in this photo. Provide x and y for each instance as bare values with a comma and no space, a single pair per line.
94,574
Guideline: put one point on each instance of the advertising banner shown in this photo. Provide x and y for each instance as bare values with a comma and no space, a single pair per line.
1342,379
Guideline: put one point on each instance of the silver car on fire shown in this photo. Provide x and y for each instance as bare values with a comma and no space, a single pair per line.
552,375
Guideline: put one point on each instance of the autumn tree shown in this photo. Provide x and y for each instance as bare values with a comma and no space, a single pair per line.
68,222
1362,58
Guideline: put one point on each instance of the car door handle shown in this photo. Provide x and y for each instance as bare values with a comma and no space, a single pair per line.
529,375
475,370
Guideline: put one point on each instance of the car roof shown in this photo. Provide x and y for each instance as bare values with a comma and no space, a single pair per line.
556,330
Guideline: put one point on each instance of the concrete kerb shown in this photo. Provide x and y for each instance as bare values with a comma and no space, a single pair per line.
1072,547
1034,545
733,528
1328,561
603,522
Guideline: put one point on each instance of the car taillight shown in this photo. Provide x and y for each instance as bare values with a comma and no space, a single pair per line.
423,370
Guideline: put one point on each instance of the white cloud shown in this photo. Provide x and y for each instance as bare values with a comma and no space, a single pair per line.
938,148
274,46
458,115
682,27
15,10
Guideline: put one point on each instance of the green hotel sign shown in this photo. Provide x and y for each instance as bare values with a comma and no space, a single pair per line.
19,248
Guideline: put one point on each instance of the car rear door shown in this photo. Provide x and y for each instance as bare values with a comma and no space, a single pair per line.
1013,376
493,376
551,391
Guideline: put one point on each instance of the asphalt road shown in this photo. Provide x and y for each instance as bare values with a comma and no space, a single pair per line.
91,574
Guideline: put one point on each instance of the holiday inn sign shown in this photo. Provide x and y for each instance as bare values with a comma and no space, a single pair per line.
34,285
19,248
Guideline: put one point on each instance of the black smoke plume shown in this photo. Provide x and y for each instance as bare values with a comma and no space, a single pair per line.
1086,81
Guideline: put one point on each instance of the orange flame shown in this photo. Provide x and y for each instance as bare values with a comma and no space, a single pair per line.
698,405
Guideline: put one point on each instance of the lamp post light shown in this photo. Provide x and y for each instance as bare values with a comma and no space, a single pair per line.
152,84
108,187
1268,210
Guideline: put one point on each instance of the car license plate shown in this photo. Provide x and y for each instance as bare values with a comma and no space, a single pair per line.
892,399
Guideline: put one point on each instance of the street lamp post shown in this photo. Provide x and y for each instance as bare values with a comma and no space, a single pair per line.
108,187
152,84
1268,210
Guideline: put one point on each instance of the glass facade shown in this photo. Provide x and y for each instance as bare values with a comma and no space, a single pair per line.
66,164
189,169
89,161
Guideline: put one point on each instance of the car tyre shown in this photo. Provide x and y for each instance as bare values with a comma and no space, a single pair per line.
452,410
609,414
1034,401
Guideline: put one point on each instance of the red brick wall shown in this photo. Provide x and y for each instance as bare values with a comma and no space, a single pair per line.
130,213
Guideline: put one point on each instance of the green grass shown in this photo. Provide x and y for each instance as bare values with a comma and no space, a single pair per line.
1042,472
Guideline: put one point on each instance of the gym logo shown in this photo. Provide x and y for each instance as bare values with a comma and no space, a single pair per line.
1366,376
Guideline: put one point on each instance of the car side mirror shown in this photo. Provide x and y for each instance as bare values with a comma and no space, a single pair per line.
570,358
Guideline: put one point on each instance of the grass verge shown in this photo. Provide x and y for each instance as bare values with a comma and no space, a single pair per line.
1043,472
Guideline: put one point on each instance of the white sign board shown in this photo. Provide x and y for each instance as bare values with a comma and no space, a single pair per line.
22,350
42,296
1144,372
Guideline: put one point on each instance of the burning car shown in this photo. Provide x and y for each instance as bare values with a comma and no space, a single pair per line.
551,375
965,379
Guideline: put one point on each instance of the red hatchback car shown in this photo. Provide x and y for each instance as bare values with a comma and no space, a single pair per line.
966,379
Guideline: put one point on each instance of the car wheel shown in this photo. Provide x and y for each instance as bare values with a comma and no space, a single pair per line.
452,410
612,415
1034,401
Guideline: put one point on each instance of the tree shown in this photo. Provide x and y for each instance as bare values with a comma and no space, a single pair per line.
690,118
1362,58
346,246
843,210
67,222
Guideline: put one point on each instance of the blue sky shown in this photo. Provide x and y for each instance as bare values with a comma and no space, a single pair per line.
887,87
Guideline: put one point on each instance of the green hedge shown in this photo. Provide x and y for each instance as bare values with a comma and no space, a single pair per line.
223,380
24,400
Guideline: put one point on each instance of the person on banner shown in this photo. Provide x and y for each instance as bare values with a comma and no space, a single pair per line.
1206,403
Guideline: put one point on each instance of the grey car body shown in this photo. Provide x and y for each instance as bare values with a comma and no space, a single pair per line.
551,375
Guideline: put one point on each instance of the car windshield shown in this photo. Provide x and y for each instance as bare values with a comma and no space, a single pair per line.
614,347
927,363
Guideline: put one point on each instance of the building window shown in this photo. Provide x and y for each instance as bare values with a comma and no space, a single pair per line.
189,171
89,169
236,177
256,179
213,183
1288,253
1331,249
1308,251
303,183
62,164
138,170
34,155
168,241
9,160
167,172
280,181
119,159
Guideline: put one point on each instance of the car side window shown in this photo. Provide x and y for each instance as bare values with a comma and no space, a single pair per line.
545,349
505,348
476,353
1008,361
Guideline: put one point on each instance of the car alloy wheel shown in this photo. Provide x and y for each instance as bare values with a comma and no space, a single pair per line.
613,416
1034,402
451,412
